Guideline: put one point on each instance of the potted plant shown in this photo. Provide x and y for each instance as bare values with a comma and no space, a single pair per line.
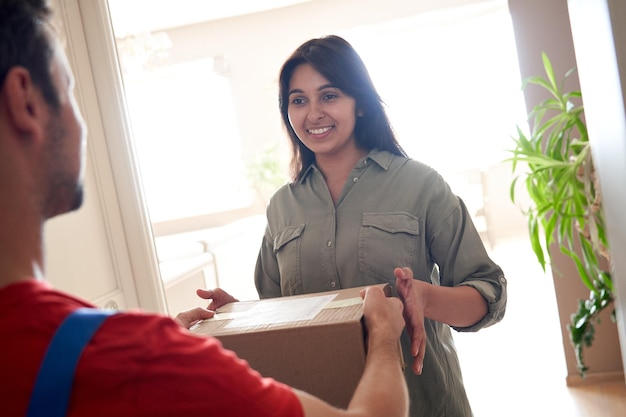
566,203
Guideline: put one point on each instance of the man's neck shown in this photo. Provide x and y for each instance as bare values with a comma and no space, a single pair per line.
21,250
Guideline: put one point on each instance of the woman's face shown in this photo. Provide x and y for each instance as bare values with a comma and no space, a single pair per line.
321,114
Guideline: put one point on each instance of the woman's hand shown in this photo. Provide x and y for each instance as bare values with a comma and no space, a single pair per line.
218,297
192,316
413,300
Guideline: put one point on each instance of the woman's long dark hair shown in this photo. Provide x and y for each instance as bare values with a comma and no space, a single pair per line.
337,61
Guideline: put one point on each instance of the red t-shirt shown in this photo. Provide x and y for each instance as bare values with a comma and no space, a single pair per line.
137,364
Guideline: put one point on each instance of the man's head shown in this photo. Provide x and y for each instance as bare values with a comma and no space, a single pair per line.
41,124
25,41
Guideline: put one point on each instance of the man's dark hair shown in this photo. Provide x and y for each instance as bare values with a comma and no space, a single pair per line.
25,40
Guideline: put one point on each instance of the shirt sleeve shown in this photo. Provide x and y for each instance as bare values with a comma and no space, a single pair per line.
151,366
459,252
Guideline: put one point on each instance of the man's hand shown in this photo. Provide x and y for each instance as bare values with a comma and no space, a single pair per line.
412,298
383,315
218,297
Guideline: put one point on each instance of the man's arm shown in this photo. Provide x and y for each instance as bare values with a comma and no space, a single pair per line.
382,390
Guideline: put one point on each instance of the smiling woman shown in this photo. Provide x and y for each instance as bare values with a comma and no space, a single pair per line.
201,114
201,101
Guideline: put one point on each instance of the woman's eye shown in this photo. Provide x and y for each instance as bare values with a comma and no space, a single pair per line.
329,96
297,100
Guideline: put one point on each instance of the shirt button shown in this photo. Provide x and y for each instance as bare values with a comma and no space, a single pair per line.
502,279
329,243
333,284
355,179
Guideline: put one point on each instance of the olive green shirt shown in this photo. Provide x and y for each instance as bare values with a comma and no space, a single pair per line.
392,212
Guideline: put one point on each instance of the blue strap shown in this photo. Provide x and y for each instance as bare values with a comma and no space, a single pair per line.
53,386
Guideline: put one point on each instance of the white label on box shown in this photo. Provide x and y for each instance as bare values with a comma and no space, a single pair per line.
281,311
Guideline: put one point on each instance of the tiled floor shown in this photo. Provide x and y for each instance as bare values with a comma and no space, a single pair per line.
517,368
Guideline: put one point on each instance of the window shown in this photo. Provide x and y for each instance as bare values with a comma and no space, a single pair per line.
451,83
184,130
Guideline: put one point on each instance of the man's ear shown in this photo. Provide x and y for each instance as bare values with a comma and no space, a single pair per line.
26,106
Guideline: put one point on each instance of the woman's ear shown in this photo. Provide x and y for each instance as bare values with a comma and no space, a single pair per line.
27,109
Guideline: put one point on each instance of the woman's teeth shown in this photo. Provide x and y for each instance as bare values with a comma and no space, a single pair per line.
320,130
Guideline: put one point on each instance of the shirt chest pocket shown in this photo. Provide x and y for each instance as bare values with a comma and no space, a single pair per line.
387,241
287,247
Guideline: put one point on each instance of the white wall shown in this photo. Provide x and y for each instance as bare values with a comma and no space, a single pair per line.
600,41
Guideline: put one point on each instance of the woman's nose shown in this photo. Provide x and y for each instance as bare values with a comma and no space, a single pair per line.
315,114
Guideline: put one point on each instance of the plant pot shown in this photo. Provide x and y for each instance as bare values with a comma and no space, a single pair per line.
603,358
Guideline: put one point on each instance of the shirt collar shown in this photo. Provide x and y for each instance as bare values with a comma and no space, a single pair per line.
307,172
381,158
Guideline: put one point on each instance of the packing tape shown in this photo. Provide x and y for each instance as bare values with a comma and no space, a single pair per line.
344,303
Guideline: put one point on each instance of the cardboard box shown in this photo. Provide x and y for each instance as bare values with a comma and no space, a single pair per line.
313,342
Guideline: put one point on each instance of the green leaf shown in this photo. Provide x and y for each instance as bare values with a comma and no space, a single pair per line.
584,276
561,182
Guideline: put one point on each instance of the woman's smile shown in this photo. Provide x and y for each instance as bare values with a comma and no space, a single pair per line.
321,114
320,132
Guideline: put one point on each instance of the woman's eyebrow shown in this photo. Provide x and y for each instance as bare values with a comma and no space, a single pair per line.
320,88
325,86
